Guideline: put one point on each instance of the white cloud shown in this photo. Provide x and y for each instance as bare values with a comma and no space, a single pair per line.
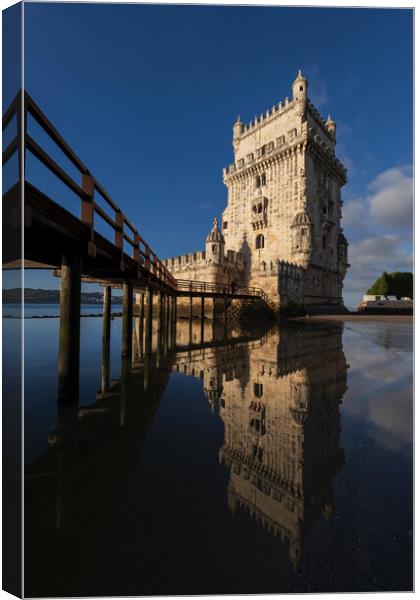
392,203
354,212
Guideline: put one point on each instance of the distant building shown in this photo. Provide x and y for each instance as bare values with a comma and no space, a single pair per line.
378,303
281,230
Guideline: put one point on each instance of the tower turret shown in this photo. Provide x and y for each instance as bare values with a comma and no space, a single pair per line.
300,93
237,131
332,127
215,244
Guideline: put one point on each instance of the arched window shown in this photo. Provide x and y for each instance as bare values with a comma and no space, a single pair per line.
259,241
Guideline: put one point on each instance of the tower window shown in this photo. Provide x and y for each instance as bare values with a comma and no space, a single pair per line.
260,180
324,242
225,224
301,88
213,247
259,242
258,390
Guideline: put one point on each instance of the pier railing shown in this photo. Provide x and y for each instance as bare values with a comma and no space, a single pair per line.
204,287
124,230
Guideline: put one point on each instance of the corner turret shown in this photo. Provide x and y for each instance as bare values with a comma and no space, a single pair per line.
215,244
300,93
237,131
332,127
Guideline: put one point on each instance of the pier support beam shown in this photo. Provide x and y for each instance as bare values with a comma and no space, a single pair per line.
106,337
161,314
173,322
140,322
69,337
202,315
106,326
191,308
127,320
149,319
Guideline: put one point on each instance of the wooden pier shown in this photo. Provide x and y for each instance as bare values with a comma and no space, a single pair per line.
73,247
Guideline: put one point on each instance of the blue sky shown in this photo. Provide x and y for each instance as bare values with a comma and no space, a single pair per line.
147,96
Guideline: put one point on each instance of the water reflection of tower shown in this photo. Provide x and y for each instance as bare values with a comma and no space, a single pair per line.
282,431
279,401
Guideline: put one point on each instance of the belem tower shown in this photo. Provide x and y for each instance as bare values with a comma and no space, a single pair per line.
281,230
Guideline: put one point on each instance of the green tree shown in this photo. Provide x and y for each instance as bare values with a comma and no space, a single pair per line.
381,286
401,284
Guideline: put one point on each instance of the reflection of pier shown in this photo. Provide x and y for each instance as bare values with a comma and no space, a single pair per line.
279,401
74,490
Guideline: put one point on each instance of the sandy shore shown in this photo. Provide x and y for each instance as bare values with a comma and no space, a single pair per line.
360,318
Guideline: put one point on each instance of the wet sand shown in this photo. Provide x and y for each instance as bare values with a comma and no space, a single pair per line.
359,318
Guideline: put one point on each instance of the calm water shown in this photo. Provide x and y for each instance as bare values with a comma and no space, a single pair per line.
264,461
51,310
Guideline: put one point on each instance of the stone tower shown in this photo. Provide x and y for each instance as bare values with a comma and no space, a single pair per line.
281,229
284,203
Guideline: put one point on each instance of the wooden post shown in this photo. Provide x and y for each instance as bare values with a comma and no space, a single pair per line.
105,365
168,314
171,342
148,337
202,314
149,318
124,388
88,210
106,337
69,337
141,324
191,307
119,230
106,326
127,319
161,312
213,333
173,325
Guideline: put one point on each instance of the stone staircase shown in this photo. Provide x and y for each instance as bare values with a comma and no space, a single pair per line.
249,309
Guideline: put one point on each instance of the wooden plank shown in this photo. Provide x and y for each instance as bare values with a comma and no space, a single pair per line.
10,150
11,111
